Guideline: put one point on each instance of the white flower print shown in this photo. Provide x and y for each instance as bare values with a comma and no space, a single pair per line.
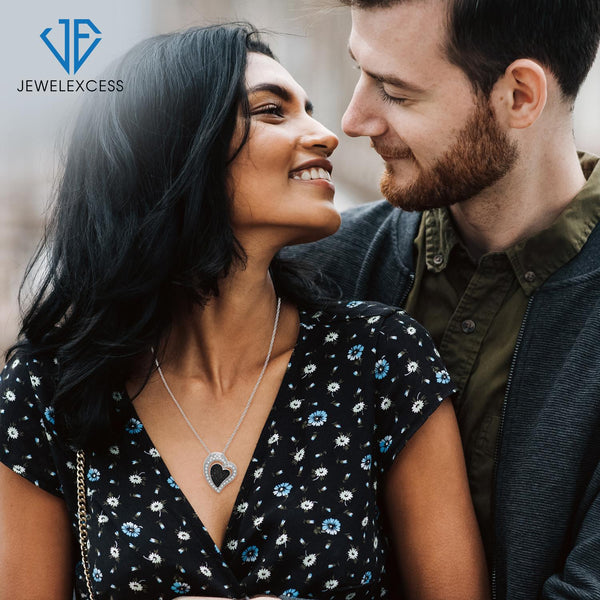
117,396
374,319
411,330
342,441
358,407
184,536
154,453
258,473
157,506
310,368
385,403
232,544
155,558
295,404
307,505
136,586
13,433
242,507
258,521
112,501
309,560
114,450
10,396
299,455
333,387
102,519
136,479
282,540
205,571
418,406
15,363
365,522
412,367
346,496
332,336
263,574
320,472
19,469
353,554
273,439
35,380
114,551
331,584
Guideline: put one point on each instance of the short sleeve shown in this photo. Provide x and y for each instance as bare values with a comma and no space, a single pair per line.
27,424
410,383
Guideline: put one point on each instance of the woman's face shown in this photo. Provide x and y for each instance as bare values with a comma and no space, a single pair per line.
281,178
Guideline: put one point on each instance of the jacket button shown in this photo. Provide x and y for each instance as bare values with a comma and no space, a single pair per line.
438,259
468,326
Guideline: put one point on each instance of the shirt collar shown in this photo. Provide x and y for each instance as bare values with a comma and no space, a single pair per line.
538,257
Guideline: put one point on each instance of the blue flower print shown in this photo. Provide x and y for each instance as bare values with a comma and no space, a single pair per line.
93,475
180,588
250,554
131,529
382,367
355,352
172,483
282,489
134,426
49,414
97,575
353,304
318,418
366,578
385,443
331,526
442,377
291,592
365,463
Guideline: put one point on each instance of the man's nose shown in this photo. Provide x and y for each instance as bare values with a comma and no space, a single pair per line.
362,115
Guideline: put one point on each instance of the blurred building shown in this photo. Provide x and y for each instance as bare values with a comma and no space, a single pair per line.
309,37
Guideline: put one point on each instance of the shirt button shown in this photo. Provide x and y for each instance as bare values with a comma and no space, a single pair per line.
438,259
468,326
530,277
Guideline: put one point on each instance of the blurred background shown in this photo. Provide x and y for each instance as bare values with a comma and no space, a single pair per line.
308,36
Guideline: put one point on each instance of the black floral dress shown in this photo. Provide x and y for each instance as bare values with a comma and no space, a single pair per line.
361,380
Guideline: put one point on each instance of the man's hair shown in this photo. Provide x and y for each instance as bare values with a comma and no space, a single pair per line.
486,36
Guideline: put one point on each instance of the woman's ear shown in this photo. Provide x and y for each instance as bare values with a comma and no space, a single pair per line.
520,95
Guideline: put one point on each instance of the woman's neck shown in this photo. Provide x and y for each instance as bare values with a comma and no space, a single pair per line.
231,333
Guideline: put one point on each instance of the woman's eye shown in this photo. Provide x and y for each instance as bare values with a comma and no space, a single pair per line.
269,109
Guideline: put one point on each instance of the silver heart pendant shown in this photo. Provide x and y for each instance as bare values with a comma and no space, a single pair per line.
219,471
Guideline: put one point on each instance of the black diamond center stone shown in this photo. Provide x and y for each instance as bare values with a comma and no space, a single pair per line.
218,474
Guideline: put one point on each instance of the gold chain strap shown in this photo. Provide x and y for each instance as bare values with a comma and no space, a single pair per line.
82,520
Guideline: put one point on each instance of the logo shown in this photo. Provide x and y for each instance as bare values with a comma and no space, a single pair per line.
73,41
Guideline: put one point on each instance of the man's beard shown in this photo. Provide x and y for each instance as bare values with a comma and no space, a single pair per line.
481,155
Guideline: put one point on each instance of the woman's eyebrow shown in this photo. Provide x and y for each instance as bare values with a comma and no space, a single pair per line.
280,91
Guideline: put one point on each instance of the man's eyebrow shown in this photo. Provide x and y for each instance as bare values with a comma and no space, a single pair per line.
280,91
391,79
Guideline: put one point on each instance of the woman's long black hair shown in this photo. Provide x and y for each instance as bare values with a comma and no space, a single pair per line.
141,219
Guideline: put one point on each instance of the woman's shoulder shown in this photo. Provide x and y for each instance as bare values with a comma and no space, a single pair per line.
28,376
367,315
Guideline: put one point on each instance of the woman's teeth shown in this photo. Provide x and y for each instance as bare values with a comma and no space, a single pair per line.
314,173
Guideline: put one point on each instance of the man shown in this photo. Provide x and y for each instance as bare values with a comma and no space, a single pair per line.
469,103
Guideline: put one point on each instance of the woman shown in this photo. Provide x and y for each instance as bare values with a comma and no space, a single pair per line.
232,429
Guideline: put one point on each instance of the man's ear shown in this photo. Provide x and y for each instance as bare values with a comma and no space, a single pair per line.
520,95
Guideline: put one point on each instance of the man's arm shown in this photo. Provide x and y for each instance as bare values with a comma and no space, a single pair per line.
370,257
580,577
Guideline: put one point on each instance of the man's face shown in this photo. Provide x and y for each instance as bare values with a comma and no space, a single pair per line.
440,141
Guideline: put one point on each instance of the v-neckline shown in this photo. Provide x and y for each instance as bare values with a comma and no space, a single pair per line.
256,453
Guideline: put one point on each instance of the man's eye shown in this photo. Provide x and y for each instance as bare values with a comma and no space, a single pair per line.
391,99
269,109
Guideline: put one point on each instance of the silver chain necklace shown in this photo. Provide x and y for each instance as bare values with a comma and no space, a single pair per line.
219,471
